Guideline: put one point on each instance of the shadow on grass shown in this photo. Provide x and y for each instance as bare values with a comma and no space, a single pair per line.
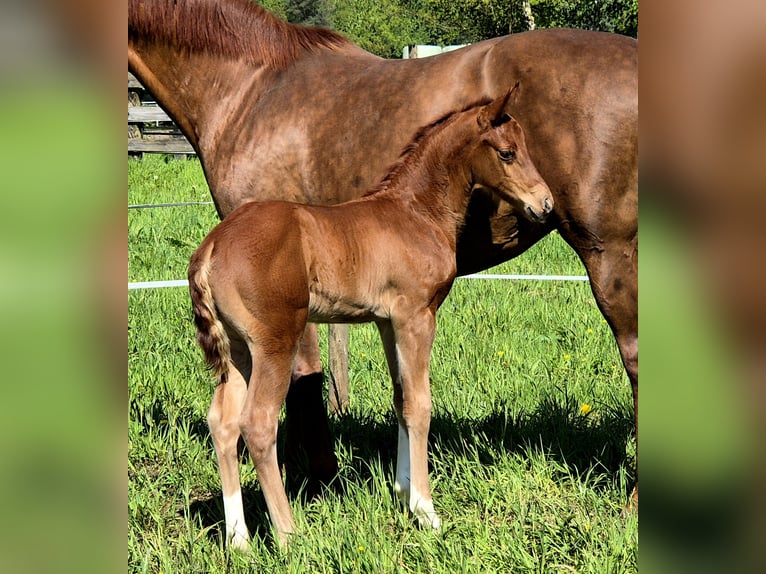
210,514
592,444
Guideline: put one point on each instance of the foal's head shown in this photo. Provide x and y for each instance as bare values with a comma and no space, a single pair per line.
501,161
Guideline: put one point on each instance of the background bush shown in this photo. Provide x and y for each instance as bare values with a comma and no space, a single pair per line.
384,27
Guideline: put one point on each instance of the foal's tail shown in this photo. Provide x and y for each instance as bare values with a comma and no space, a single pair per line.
211,334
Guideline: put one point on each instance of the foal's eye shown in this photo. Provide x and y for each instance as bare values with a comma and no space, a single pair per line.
507,155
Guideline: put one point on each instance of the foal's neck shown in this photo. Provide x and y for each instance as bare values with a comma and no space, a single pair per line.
434,178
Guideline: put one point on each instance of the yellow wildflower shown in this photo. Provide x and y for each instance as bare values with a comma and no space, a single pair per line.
585,409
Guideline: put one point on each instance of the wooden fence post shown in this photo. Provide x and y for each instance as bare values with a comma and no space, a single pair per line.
338,382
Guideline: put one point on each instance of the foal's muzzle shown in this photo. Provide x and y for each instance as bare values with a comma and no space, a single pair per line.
540,216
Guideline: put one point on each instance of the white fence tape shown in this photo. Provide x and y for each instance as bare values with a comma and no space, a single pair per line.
527,277
157,284
185,283
174,204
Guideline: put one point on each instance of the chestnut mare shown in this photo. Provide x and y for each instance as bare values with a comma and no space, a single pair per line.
277,111
388,257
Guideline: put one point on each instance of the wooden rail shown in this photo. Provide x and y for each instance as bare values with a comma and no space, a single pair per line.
150,130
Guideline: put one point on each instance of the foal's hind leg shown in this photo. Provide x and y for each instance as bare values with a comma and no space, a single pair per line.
266,392
223,420
408,349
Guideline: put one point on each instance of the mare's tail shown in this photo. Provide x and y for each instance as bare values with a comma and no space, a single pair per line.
211,334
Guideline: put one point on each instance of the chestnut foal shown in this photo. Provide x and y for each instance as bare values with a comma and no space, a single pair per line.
389,257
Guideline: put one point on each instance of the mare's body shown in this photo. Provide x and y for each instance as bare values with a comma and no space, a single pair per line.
276,111
389,257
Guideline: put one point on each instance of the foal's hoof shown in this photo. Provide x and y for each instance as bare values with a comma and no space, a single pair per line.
428,520
239,543
426,515
422,509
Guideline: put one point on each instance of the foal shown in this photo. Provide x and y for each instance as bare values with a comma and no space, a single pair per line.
388,257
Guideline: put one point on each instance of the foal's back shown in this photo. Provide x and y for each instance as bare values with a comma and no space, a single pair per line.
343,263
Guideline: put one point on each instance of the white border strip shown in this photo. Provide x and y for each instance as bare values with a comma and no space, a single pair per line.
185,283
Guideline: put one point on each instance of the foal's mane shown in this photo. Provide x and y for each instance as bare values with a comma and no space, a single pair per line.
236,29
409,153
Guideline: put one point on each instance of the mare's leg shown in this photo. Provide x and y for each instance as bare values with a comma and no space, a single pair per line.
223,420
612,264
259,422
308,430
338,351
408,350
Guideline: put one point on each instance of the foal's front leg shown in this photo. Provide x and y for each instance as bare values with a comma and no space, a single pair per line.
408,350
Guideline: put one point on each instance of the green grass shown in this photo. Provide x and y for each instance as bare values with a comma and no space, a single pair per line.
523,479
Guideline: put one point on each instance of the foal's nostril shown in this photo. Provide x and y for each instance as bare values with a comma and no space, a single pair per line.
547,205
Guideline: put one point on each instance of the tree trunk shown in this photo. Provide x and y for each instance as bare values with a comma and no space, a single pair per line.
526,8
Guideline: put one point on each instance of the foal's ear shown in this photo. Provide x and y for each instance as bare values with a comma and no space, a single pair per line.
494,113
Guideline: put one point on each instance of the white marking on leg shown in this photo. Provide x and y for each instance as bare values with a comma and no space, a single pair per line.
424,510
237,535
402,483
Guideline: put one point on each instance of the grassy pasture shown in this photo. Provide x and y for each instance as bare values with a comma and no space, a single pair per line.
531,446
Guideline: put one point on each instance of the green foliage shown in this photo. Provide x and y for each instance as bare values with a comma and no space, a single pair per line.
276,7
381,27
448,22
308,12
384,27
525,477
620,16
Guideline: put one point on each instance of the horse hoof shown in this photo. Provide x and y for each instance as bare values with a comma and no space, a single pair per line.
430,520
239,543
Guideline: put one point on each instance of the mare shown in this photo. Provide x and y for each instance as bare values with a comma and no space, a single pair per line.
282,112
388,257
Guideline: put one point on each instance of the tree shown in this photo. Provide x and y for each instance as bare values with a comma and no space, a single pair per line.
465,21
308,12
526,9
276,7
384,27
620,16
